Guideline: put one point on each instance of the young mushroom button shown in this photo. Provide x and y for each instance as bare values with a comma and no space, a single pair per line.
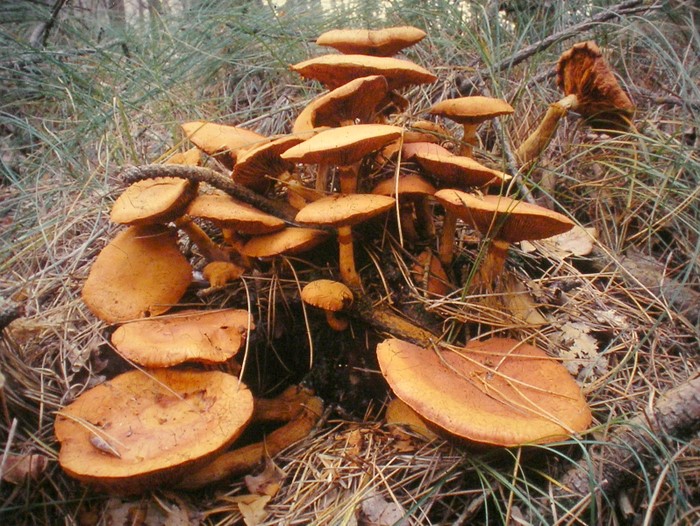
332,297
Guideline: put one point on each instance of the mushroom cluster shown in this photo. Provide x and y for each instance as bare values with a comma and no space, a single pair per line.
352,156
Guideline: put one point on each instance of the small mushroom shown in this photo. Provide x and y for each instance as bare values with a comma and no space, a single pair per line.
470,112
332,297
497,391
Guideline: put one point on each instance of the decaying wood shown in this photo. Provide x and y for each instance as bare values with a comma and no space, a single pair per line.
617,461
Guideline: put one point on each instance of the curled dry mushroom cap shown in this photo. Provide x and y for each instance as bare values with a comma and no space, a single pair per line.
335,70
152,201
332,297
497,391
188,336
583,73
143,430
378,42
141,272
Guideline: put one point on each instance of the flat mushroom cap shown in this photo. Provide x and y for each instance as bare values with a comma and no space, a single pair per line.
187,336
512,220
335,70
221,140
378,42
343,146
458,170
471,110
152,201
231,213
411,149
582,71
257,166
499,391
344,210
327,294
141,272
142,430
356,100
291,240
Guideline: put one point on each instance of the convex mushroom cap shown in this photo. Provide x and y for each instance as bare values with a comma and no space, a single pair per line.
152,201
470,112
146,429
459,171
378,42
289,241
332,297
141,272
497,391
227,212
187,336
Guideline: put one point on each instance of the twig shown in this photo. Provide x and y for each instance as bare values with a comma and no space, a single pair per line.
41,32
676,413
206,175
464,85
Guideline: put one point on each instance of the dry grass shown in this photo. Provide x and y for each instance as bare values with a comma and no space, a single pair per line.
64,143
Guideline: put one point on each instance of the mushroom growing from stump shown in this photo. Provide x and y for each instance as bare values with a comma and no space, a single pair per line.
146,429
187,336
498,391
470,112
591,89
502,220
345,148
342,212
141,272
330,296
377,42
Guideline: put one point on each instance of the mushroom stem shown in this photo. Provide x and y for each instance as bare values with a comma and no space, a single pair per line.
348,178
336,323
244,459
469,140
538,140
346,258
449,227
210,250
322,178
424,217
492,265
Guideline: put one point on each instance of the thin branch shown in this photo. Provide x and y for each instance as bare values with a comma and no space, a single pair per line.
617,461
41,32
215,179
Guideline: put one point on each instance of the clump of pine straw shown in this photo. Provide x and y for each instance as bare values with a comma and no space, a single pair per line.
65,142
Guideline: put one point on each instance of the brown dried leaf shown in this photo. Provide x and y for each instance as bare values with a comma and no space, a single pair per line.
18,469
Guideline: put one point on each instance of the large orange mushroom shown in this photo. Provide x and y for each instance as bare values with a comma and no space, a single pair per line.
498,391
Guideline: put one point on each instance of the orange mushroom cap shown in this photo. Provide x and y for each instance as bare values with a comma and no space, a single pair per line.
378,42
146,429
497,391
